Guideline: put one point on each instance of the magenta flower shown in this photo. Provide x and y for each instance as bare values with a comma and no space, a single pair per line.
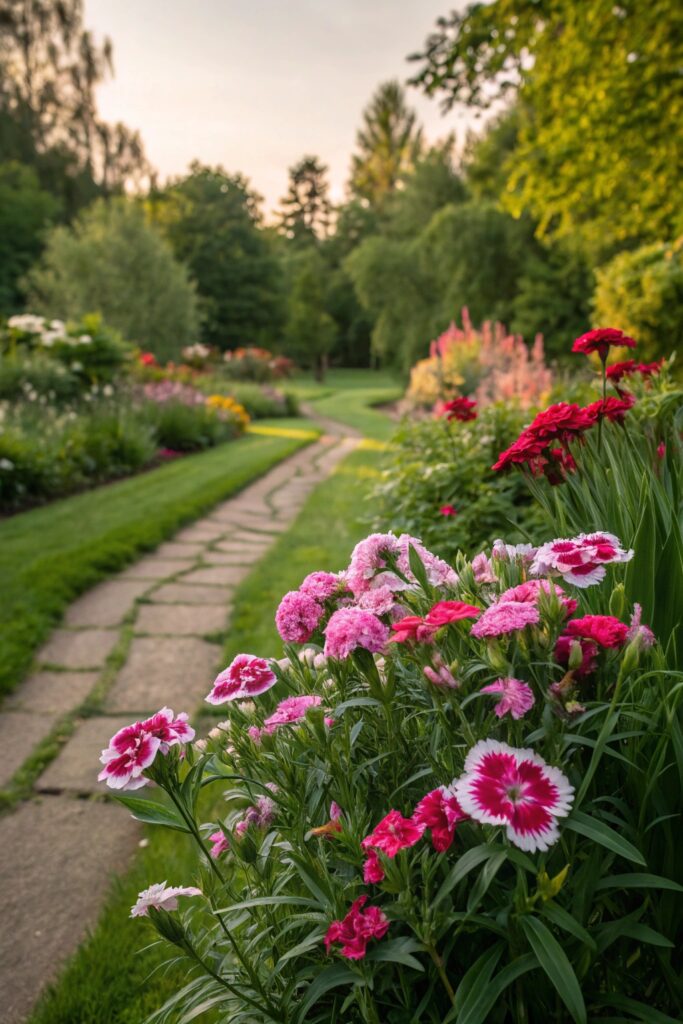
373,872
440,812
502,785
297,617
161,897
516,697
290,711
321,585
530,591
393,833
506,617
134,748
349,628
356,929
637,630
380,601
580,560
246,676
219,844
448,510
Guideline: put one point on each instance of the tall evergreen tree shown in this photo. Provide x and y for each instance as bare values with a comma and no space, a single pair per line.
306,209
388,145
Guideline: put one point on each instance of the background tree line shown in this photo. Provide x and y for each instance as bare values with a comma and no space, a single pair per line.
564,208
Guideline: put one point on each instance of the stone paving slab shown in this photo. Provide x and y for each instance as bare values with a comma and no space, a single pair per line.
53,888
56,692
83,648
180,593
238,557
181,619
107,604
176,671
199,532
218,575
20,733
154,568
180,549
77,766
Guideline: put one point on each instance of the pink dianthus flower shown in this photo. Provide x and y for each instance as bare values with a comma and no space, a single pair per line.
506,617
246,676
440,812
392,834
349,628
291,710
297,617
321,585
516,697
356,929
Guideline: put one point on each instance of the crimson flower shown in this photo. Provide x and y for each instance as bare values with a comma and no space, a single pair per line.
649,369
462,409
616,371
604,630
412,629
393,834
589,653
600,341
448,510
440,812
356,929
445,612
373,872
612,409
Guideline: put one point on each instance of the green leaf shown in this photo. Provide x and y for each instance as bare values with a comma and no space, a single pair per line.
398,951
600,833
638,881
564,920
152,812
483,998
643,933
468,862
640,1010
418,570
486,876
476,977
554,962
331,977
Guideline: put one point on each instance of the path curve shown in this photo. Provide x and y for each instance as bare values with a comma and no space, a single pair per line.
143,639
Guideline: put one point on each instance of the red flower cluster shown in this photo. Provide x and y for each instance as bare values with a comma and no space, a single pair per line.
590,632
462,409
600,341
612,409
448,510
357,928
414,628
440,812
148,359
534,447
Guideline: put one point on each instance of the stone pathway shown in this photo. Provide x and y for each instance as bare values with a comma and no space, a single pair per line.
146,638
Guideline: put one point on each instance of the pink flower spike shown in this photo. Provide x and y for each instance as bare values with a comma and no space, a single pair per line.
393,834
219,844
161,897
502,785
637,630
516,697
246,676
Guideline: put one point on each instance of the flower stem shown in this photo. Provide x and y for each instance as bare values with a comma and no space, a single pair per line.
438,963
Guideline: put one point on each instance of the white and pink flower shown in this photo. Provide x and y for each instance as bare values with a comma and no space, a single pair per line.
246,676
580,560
514,697
290,711
161,897
503,785
132,749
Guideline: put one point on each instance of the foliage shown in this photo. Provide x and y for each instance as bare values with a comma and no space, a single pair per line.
310,330
434,464
26,210
643,292
48,556
87,350
387,145
256,364
306,209
575,920
111,261
598,106
211,220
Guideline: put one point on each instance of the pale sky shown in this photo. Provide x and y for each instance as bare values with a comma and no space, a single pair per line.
256,84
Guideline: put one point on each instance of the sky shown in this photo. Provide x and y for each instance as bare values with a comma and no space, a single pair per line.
256,84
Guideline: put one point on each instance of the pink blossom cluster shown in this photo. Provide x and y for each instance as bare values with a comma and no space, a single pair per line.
350,628
372,560
133,749
260,815
246,676
580,560
355,930
163,391
298,616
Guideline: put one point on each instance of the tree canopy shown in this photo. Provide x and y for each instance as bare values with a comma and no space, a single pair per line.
306,209
388,144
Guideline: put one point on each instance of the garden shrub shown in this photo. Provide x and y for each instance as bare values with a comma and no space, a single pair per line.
437,483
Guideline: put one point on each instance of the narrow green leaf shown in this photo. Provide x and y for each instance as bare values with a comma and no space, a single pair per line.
600,833
484,998
397,951
564,920
477,976
331,977
554,962
152,812
638,881
468,862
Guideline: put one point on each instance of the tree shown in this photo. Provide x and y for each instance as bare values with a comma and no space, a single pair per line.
50,67
600,105
388,145
310,331
431,184
25,213
306,207
211,219
111,261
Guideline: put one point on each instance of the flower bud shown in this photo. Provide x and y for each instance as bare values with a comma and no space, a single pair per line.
617,602
575,655
319,662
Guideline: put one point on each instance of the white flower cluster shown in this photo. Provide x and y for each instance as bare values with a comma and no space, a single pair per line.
197,351
50,332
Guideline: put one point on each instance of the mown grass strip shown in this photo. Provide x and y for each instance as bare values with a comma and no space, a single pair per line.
49,555
110,979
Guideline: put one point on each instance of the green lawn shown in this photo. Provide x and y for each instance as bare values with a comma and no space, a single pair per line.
349,396
50,555
108,978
